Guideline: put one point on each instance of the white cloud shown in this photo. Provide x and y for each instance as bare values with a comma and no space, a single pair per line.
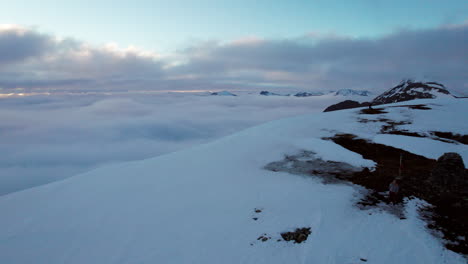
46,138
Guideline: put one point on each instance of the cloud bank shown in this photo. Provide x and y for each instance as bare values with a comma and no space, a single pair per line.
31,60
48,138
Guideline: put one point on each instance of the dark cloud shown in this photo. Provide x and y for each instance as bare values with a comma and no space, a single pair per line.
29,59
312,62
338,62
18,44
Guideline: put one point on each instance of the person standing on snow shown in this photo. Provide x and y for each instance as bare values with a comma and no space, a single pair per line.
394,188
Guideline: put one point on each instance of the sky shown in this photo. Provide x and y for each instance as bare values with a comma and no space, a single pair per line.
81,46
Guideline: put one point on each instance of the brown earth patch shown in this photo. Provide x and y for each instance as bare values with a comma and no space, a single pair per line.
418,106
365,120
391,126
449,211
372,111
405,133
449,135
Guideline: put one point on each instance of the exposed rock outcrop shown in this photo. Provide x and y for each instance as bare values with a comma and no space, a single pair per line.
298,236
345,105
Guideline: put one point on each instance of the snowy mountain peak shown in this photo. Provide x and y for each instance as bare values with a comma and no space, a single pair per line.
350,92
409,90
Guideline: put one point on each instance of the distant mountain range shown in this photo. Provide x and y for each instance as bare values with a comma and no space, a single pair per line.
350,92
223,93
405,91
307,94
267,93
342,92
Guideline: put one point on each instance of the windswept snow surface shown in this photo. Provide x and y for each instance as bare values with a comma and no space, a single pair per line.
197,205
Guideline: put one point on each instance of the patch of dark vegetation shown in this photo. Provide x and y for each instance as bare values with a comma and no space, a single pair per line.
405,133
418,106
391,126
305,163
298,236
365,120
264,238
448,135
372,111
442,183
371,199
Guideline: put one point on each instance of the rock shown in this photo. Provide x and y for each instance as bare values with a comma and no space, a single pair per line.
299,235
345,105
449,174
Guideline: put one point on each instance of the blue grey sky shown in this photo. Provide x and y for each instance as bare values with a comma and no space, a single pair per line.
165,26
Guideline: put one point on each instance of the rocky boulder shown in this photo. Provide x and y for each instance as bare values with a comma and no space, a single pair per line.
449,174
298,236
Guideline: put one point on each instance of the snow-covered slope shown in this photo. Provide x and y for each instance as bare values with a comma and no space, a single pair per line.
198,205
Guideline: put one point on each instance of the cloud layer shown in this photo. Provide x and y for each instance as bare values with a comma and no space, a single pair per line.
33,60
46,138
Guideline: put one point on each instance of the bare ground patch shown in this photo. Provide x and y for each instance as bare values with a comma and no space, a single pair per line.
451,136
372,111
448,215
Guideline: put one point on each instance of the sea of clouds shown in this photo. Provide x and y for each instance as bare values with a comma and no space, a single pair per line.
49,138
